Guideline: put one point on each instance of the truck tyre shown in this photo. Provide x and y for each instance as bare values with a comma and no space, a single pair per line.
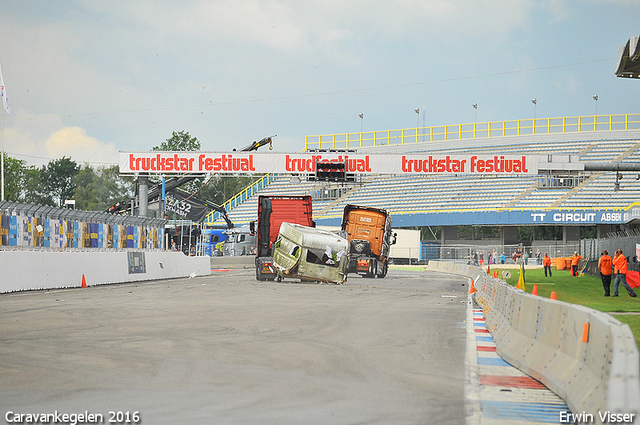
373,268
383,272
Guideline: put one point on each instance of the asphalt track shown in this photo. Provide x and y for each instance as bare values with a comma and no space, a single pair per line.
226,349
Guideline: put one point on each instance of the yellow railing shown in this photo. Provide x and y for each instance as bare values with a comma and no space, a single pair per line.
474,130
240,197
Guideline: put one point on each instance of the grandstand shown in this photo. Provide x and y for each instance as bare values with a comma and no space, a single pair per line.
452,200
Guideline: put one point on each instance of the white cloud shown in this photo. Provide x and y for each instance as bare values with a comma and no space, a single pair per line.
295,26
41,139
75,143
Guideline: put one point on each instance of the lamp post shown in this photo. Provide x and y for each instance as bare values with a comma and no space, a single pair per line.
417,111
535,104
595,97
475,118
361,115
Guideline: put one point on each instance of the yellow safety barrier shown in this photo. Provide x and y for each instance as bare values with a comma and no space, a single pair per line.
474,130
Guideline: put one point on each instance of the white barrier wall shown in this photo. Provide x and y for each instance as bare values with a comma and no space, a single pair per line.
545,339
24,270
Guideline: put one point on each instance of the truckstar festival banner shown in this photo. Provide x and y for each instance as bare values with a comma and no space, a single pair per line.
305,163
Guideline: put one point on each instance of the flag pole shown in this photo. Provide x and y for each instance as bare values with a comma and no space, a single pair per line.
2,153
2,138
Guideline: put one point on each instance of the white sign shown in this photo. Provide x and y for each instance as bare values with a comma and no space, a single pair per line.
305,163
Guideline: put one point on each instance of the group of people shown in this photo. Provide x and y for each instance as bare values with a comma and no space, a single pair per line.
492,258
523,257
614,266
177,248
608,266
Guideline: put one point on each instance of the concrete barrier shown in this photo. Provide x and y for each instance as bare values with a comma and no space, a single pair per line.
26,270
545,339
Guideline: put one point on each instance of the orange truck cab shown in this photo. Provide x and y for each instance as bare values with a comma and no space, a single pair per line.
370,237
272,212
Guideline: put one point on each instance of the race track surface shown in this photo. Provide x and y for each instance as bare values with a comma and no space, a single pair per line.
226,349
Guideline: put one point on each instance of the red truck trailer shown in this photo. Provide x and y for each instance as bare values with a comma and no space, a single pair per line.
273,210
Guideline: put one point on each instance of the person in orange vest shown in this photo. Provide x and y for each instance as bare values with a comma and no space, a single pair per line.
546,262
620,265
604,264
575,261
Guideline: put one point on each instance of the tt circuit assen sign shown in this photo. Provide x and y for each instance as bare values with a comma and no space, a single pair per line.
512,217
241,162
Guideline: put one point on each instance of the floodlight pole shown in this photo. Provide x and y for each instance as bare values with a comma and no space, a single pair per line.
417,111
535,105
1,155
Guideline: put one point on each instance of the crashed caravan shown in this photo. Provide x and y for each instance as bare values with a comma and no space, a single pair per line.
310,254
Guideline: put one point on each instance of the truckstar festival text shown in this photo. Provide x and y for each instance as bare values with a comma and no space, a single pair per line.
237,162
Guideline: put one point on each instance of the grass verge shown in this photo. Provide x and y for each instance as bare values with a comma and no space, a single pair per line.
582,290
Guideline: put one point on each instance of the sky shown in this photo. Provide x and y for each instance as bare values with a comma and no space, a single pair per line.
86,79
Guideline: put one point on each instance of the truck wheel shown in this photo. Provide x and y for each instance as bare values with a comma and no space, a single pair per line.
383,272
373,268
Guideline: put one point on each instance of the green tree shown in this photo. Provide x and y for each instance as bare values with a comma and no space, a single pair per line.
86,195
98,189
181,141
57,178
14,175
33,191
217,189
113,186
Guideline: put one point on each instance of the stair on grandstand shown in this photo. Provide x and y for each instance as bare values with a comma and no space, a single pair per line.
340,200
568,194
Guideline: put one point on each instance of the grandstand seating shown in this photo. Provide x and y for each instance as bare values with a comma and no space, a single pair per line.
414,194
281,185
599,192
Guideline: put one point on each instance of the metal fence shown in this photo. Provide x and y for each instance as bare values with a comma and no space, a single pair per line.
627,241
463,252
30,226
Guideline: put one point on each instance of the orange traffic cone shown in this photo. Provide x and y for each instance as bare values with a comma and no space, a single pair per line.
495,274
84,282
554,296
488,269
535,289
472,289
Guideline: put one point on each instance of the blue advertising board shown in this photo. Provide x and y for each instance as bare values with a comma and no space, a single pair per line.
502,218
511,217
